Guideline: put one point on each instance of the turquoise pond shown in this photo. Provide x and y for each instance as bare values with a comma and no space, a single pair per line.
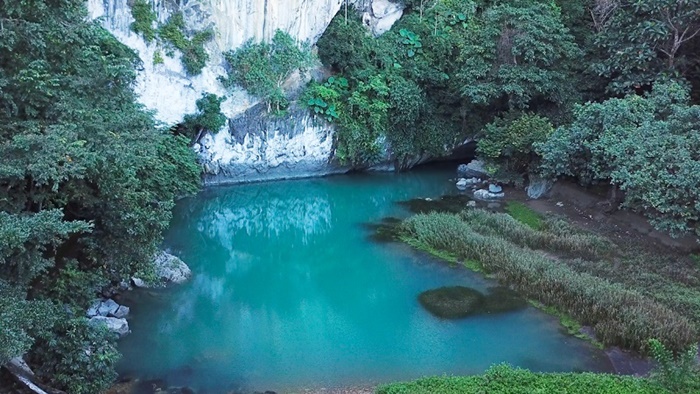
290,292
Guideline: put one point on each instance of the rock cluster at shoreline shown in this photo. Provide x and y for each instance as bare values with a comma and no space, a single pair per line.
110,314
474,175
168,269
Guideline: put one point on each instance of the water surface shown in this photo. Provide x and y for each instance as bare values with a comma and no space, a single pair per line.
289,292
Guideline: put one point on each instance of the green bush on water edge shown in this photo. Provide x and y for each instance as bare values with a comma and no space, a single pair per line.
504,379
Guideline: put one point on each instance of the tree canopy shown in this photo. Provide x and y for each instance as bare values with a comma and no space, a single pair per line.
87,182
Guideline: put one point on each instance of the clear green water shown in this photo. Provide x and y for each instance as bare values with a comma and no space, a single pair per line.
289,292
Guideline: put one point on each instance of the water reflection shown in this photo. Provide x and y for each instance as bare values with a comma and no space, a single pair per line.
289,292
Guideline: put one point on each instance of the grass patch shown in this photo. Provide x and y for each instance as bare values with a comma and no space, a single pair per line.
503,379
524,215
504,247
173,34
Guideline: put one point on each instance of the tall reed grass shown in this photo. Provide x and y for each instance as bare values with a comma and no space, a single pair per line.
504,248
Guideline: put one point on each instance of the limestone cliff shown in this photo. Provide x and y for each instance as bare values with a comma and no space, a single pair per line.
253,146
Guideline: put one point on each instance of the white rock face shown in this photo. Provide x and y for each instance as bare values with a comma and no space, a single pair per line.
166,88
266,152
262,148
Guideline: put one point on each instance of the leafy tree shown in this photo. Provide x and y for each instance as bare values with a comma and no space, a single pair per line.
208,116
508,144
262,68
88,370
646,146
22,321
644,39
519,52
86,185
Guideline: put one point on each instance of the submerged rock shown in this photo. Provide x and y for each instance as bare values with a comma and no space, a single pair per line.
452,302
502,299
385,231
453,204
458,301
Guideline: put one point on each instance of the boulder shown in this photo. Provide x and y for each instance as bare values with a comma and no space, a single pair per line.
451,302
121,312
171,269
462,170
471,204
538,187
475,169
483,194
462,184
93,309
113,324
493,188
107,307
168,269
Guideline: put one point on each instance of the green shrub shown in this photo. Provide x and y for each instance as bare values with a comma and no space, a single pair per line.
678,374
77,357
157,58
173,34
503,379
208,116
144,18
262,68
507,144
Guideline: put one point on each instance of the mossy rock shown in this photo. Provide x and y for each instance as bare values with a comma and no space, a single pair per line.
452,302
449,204
502,299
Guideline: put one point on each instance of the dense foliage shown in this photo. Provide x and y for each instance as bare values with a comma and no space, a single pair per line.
262,68
86,186
208,116
503,379
508,73
441,74
648,146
